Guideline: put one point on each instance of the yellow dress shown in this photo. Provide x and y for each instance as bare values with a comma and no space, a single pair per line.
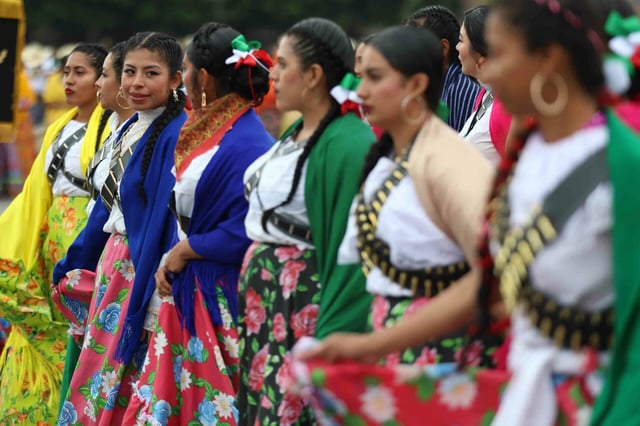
36,229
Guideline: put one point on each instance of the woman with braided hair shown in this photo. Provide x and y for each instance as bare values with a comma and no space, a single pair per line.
111,99
459,91
299,196
37,227
559,243
191,371
414,225
129,229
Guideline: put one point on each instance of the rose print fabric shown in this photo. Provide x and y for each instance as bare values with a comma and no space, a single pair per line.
33,358
438,395
101,386
279,296
204,366
386,311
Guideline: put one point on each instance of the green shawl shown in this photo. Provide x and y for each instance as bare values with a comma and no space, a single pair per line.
616,404
333,173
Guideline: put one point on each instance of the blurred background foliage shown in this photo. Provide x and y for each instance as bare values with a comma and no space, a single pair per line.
62,21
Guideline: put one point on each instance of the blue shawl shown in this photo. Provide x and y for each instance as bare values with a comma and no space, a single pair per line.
150,227
216,230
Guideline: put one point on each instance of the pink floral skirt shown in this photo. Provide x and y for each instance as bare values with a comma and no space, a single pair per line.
349,393
188,379
101,387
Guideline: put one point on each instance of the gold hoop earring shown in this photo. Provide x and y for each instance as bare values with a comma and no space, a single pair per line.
404,104
539,103
203,99
175,96
120,94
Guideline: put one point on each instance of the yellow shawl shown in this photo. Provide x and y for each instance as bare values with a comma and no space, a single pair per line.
20,224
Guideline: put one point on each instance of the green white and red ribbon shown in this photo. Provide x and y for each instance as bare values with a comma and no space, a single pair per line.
249,54
345,94
620,64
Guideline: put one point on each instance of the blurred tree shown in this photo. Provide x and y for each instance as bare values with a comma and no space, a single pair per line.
61,21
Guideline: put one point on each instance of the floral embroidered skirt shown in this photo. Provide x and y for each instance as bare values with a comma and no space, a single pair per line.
278,301
387,310
188,379
33,358
439,395
101,387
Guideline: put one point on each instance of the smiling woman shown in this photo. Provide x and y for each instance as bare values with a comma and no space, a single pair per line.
129,225
40,224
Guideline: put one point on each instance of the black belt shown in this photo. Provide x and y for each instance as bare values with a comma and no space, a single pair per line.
569,328
183,221
301,232
427,282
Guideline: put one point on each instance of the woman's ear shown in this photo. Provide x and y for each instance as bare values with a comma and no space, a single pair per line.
314,76
480,63
418,83
176,80
445,49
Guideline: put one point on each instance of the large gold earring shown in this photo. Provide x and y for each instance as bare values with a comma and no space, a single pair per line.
175,96
404,105
121,95
539,103
203,99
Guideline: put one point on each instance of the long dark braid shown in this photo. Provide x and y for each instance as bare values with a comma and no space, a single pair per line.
174,108
170,52
443,22
489,282
104,119
333,113
320,41
378,150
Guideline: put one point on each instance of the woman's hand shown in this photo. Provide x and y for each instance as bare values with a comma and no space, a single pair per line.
174,263
162,283
346,346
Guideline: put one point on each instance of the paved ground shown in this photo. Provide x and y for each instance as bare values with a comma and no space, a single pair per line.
4,202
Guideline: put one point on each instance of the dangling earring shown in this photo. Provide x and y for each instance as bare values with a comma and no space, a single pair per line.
175,96
539,103
121,95
405,104
203,99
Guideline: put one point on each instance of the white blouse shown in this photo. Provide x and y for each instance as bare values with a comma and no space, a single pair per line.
480,136
276,177
62,185
575,270
115,223
415,242
102,168
185,187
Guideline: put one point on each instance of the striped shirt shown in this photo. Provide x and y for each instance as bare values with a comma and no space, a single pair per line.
459,93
